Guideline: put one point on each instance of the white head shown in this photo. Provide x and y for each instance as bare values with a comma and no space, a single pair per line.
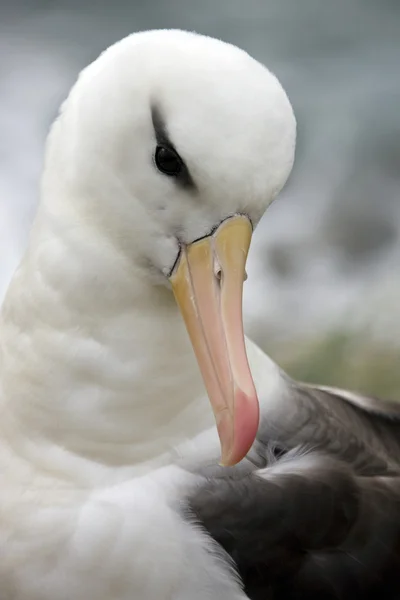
227,116
220,126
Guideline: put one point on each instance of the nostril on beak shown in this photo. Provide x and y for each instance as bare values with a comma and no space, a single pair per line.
218,271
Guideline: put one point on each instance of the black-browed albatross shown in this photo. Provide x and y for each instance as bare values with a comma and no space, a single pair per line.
163,159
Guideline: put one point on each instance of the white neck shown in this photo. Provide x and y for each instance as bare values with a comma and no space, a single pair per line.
94,358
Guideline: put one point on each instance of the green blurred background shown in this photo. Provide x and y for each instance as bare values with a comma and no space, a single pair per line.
323,295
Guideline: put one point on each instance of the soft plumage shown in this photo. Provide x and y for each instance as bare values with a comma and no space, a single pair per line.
316,511
100,389
107,439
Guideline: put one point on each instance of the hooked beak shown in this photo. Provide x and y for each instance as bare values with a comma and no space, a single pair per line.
208,284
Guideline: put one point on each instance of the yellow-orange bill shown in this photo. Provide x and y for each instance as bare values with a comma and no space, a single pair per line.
208,287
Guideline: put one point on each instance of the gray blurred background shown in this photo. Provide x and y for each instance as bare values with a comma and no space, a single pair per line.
323,295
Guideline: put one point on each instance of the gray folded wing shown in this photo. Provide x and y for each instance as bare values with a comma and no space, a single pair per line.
307,527
361,430
321,519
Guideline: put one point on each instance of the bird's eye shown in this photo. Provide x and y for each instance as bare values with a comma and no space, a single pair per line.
167,161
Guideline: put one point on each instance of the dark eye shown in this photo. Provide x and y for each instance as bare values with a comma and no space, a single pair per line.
167,161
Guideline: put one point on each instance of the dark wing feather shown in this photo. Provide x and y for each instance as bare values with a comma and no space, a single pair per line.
362,431
388,409
322,517
307,527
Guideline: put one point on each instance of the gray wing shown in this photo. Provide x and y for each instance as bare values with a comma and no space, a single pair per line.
389,409
306,527
361,430
321,518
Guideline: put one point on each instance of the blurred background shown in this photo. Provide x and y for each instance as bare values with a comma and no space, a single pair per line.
323,294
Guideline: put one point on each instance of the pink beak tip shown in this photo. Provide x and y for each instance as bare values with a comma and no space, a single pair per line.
246,420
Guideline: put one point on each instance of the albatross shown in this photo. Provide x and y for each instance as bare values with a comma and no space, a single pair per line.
131,401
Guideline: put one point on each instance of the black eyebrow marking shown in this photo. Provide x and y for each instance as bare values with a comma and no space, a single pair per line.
184,178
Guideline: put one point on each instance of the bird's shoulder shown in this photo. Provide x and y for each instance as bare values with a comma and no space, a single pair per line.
374,405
